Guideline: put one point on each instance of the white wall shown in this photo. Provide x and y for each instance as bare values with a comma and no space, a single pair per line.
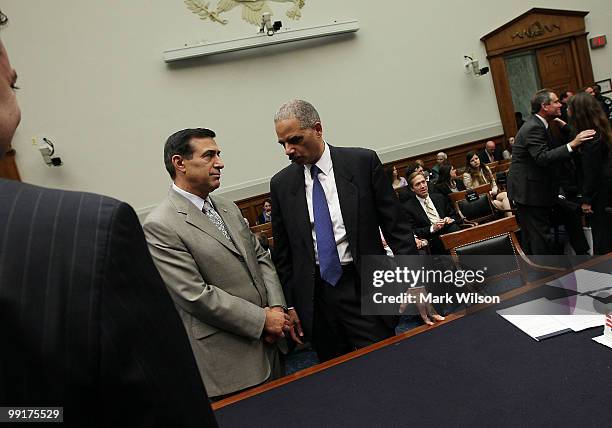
93,80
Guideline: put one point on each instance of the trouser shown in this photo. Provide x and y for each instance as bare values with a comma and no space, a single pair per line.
338,325
536,235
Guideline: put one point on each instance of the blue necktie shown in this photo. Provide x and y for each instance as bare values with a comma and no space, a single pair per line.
329,261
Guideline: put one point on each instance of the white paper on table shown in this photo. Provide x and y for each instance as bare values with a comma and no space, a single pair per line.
580,311
583,281
538,326
603,340
536,318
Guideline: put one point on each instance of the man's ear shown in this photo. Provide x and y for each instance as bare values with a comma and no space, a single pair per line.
177,162
318,128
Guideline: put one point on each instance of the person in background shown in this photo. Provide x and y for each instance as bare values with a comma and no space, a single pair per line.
441,158
518,117
476,174
448,182
531,179
507,153
395,179
490,153
266,212
604,102
430,215
586,113
565,96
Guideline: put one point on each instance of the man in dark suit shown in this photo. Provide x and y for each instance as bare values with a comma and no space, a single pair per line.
531,182
430,214
85,320
491,153
328,206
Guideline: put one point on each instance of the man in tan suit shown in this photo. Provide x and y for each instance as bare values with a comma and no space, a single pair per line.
221,279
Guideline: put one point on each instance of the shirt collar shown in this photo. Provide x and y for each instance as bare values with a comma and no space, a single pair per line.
423,200
324,163
544,121
194,199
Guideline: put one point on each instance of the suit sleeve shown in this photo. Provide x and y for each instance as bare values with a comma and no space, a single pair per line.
207,302
392,222
282,250
537,146
146,361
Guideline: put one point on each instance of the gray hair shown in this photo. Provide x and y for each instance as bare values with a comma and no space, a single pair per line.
302,110
539,98
442,155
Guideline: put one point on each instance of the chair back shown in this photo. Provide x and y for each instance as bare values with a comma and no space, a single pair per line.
497,238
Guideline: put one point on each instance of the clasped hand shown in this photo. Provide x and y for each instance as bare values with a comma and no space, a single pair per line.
277,322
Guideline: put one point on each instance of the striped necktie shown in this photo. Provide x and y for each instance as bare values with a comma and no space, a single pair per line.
431,211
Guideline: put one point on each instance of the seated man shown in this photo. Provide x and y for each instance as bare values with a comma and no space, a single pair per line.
266,213
429,214
221,279
491,153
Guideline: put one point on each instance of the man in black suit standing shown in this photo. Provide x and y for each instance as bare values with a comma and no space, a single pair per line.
85,320
531,180
328,206
490,153
430,214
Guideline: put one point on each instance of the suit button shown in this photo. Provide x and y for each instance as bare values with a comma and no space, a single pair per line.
240,258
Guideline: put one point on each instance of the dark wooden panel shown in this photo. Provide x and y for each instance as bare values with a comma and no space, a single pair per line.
557,69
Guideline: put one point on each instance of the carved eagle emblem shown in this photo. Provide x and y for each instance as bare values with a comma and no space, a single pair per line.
251,9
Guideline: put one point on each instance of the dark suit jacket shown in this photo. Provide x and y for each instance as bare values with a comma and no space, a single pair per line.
421,224
497,155
85,320
531,179
367,201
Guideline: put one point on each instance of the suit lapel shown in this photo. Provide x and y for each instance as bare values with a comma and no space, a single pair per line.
348,196
298,202
198,219
421,211
439,207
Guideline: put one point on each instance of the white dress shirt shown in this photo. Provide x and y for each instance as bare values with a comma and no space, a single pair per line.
194,199
328,182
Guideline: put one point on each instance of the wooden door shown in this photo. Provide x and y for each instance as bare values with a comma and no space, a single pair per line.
557,68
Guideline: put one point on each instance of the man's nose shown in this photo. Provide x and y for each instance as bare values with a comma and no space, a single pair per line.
288,149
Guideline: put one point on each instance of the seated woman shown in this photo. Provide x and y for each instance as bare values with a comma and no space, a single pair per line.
448,182
396,180
585,113
476,175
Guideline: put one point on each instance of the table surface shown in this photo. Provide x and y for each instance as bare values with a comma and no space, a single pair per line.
475,370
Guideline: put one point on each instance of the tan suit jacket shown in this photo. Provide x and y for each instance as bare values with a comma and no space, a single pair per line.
219,287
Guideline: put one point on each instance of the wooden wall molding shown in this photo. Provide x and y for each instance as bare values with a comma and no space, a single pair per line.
251,207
